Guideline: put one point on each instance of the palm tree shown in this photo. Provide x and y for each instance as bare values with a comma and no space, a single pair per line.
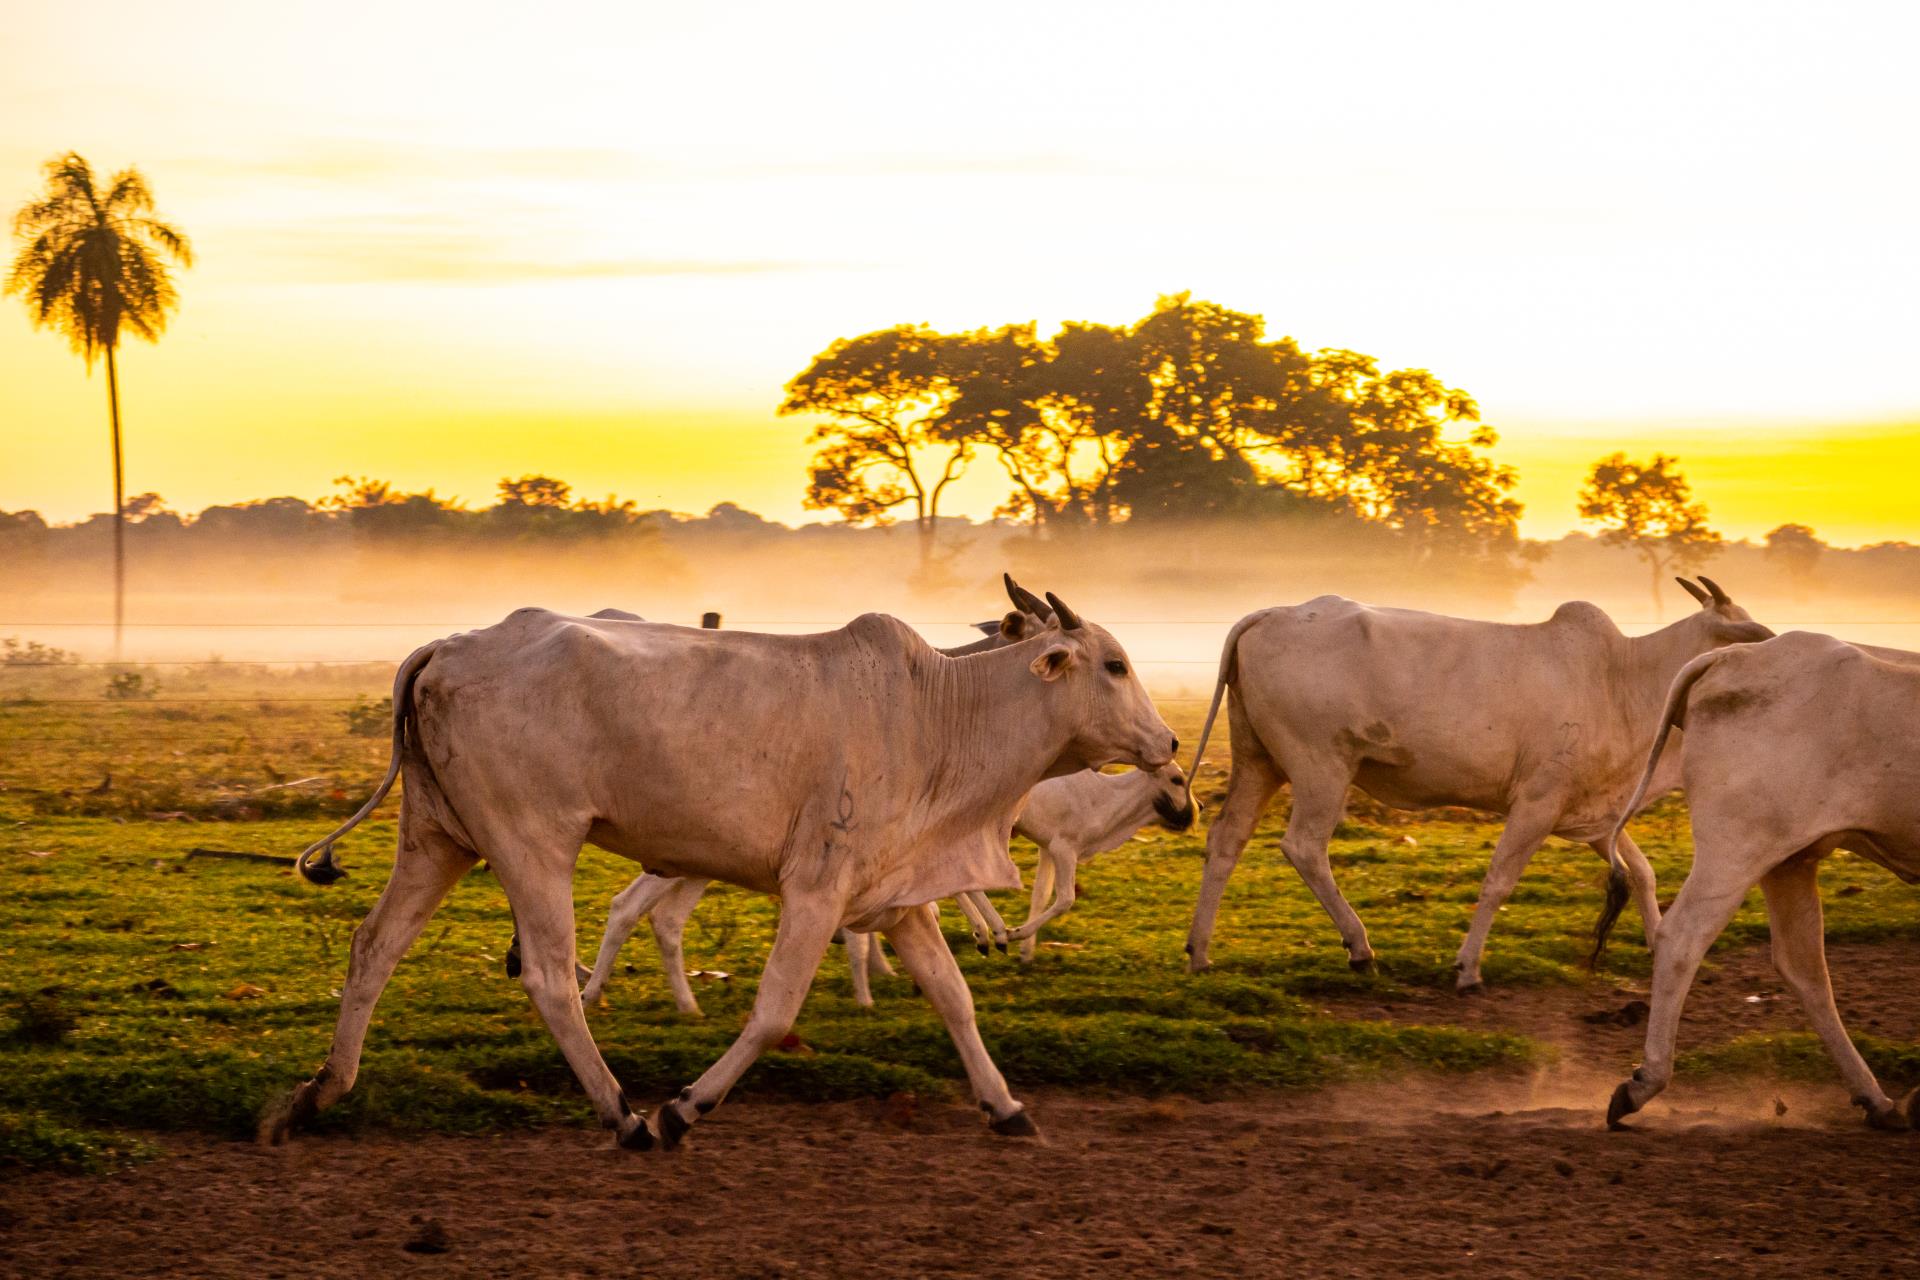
93,264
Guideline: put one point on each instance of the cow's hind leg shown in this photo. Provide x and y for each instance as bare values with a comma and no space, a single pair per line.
976,921
629,907
1319,800
924,951
1800,954
540,886
1706,902
1250,785
427,863
669,924
1520,839
1640,878
807,926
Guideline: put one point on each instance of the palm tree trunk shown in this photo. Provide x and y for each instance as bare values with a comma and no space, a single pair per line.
119,509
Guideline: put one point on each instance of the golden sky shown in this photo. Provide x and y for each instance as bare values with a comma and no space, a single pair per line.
442,243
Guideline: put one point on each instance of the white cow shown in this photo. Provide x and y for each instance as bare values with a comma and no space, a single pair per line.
859,775
1546,723
1029,617
1793,748
1071,819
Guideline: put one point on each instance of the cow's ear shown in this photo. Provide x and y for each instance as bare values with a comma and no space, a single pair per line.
1014,625
1053,664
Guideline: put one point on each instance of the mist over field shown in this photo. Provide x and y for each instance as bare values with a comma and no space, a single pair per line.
1169,591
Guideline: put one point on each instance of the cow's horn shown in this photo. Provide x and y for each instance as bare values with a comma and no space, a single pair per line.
1719,596
1024,600
1699,596
1069,620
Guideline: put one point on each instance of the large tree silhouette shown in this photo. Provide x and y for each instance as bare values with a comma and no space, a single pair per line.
93,265
1193,411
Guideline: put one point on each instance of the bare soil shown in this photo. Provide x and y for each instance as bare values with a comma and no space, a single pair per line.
1482,1176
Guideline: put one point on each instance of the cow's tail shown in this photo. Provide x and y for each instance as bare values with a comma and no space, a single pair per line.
1229,672
315,862
1672,716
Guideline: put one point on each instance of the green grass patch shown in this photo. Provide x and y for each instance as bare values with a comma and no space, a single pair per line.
1799,1055
32,1141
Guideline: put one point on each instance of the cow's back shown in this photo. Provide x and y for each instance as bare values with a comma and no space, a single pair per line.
1429,709
615,724
1803,736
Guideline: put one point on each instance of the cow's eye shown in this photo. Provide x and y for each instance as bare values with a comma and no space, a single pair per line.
1117,667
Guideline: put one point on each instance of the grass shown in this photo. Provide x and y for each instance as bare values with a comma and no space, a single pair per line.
143,990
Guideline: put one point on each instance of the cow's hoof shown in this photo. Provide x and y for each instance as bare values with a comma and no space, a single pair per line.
1474,988
1017,1125
635,1136
1888,1119
1365,964
1621,1105
673,1126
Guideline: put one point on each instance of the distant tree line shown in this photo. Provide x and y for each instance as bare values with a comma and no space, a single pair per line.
1190,413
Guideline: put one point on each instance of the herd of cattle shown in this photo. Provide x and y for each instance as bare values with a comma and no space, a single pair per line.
862,776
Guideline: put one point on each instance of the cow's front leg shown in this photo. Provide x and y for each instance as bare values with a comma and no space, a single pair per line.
807,925
858,962
916,936
1062,883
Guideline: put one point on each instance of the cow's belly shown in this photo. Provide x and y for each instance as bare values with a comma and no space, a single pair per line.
667,856
1422,785
1898,852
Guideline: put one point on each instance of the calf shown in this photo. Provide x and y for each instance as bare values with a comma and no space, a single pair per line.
1071,819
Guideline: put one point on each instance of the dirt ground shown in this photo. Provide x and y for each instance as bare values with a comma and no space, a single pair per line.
1487,1176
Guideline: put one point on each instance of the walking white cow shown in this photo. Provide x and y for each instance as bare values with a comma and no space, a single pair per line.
859,775
1546,723
1793,748
1071,819
650,894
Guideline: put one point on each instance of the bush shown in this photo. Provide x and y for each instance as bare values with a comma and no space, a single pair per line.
368,719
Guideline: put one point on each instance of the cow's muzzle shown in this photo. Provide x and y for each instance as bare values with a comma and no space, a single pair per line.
1172,816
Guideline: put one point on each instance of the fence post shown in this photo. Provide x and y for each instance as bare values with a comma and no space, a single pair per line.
710,621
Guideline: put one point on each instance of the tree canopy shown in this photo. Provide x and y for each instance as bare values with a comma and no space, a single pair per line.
1650,507
1191,411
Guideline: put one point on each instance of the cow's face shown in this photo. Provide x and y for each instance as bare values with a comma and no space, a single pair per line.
1725,622
1173,798
1112,719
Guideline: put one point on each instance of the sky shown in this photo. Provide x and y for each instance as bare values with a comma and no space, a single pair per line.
444,243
